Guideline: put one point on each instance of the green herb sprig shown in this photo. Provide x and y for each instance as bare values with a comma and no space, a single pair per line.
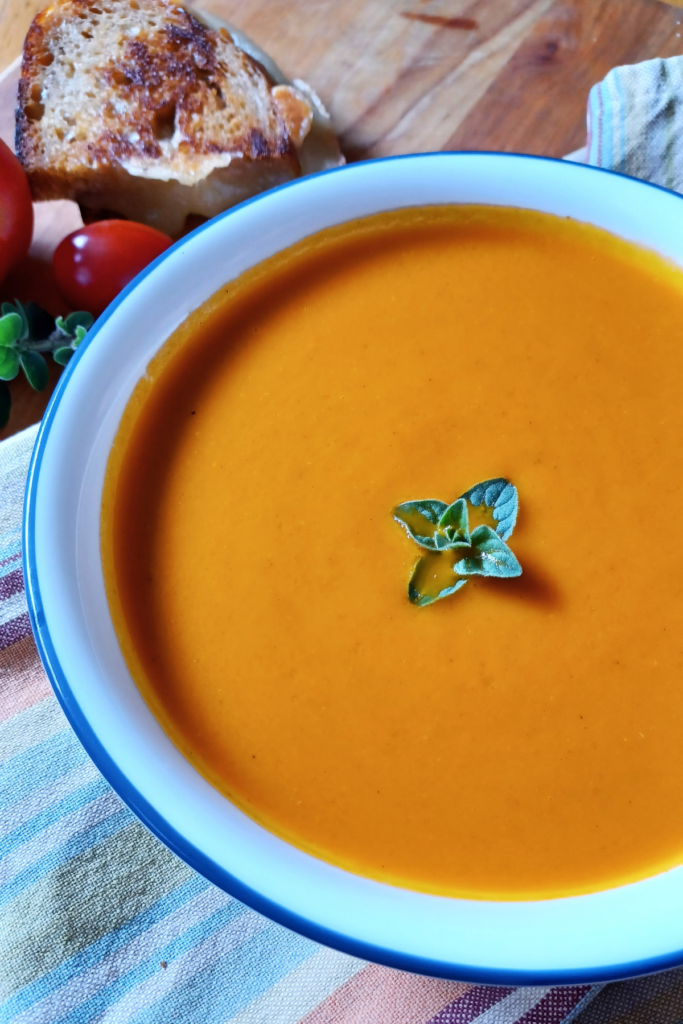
27,334
453,553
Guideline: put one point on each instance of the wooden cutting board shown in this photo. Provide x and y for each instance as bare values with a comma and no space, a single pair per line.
401,76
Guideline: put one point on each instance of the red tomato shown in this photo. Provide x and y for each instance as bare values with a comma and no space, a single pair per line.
93,264
16,211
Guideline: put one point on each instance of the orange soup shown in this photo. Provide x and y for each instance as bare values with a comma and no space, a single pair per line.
520,738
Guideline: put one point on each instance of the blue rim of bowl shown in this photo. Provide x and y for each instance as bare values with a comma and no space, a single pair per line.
150,817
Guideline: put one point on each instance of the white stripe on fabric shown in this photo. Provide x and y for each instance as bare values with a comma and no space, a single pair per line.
51,838
593,117
513,1006
183,968
609,133
302,990
40,799
34,725
622,118
15,454
580,1006
618,126
12,607
84,986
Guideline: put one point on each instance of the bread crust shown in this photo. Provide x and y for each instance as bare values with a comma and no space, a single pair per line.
117,90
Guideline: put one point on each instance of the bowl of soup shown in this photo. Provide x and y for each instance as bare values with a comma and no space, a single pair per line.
451,743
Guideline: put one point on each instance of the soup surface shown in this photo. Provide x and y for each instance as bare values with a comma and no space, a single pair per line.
521,738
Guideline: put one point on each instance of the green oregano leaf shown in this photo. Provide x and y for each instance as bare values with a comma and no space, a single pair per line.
79,319
5,404
26,327
9,363
63,355
420,520
452,552
433,578
11,328
454,527
488,556
26,332
35,367
501,497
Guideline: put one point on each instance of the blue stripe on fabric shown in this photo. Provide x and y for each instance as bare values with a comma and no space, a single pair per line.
105,946
11,546
109,995
91,836
38,765
35,724
235,980
88,792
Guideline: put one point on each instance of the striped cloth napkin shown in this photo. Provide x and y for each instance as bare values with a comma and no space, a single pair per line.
101,923
635,122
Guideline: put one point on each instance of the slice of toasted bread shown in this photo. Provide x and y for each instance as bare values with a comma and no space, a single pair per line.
136,107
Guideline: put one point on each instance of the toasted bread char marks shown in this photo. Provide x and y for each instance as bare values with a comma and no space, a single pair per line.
115,90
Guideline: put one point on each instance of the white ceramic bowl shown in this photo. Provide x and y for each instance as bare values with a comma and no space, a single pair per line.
617,933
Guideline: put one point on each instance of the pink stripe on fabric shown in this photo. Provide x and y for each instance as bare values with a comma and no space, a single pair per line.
22,680
15,630
386,996
471,1005
555,1005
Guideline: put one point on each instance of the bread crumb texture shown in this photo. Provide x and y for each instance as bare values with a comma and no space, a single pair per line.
136,107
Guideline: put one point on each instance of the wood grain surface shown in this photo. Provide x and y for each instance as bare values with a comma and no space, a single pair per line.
402,76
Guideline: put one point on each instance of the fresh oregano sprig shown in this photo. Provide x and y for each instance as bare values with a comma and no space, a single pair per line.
27,334
452,552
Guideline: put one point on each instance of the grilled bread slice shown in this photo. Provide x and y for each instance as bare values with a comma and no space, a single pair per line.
137,107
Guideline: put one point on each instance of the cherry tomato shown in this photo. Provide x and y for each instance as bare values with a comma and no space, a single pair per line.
16,211
93,264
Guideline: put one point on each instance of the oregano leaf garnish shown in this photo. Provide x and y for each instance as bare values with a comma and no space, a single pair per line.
420,520
452,552
501,497
27,332
9,363
34,366
76,320
489,556
432,578
63,355
454,526
11,329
